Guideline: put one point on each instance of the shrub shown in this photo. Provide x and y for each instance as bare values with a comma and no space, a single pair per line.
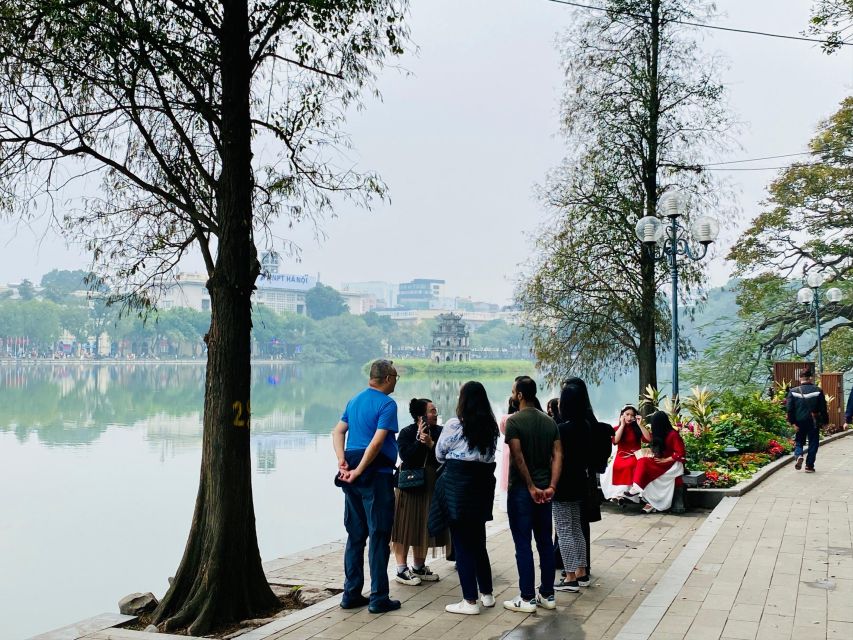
766,412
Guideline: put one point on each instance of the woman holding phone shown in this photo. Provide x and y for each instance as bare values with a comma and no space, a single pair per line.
417,451
628,436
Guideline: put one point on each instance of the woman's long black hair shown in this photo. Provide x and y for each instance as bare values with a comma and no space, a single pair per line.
661,428
479,427
574,403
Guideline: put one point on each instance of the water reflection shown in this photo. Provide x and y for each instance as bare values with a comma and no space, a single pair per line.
73,404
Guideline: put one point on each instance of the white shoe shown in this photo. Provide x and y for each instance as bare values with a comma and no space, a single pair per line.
546,603
520,604
464,607
488,600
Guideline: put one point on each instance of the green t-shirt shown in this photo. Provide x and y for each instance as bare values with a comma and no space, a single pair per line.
536,432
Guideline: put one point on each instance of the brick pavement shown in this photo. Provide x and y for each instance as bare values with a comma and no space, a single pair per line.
780,566
630,553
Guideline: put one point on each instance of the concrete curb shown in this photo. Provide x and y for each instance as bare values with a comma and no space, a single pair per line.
710,498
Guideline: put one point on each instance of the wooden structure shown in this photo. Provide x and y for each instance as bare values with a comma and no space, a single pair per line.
787,374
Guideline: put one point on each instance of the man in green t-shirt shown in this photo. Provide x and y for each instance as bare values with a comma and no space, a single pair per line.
534,444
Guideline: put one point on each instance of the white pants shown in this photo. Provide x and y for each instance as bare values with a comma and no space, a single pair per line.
609,489
659,491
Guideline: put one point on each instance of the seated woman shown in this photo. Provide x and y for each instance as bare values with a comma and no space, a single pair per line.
655,475
628,437
465,493
417,451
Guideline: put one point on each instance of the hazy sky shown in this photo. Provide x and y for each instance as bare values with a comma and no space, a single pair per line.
463,138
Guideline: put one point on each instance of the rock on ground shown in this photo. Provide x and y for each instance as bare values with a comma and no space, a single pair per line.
312,595
136,604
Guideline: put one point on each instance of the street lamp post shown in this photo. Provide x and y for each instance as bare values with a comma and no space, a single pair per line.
810,295
667,241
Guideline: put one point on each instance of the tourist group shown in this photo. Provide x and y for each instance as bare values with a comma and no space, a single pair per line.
443,492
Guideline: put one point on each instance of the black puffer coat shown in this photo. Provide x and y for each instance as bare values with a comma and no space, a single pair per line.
464,491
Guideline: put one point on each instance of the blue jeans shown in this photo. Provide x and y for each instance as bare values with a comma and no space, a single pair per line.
472,558
526,518
368,513
810,431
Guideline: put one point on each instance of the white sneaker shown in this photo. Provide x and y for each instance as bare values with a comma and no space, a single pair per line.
546,603
520,604
488,600
464,607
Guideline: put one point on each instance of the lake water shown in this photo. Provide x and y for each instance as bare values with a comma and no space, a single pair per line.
99,471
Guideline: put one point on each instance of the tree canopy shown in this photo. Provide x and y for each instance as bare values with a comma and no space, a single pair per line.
201,122
806,224
323,301
641,109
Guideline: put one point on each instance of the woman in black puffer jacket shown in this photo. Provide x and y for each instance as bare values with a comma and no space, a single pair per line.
465,493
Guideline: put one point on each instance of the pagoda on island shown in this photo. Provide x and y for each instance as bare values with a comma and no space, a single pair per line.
450,341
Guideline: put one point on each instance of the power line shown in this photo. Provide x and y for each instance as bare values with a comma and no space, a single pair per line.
785,155
705,25
706,168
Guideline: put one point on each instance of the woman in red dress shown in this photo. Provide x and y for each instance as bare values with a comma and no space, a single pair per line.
628,437
655,476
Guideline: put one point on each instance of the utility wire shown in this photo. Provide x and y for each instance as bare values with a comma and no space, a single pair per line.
704,25
785,155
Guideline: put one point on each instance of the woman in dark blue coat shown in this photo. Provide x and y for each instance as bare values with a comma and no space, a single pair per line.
465,493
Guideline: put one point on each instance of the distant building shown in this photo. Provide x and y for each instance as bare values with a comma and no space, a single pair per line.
359,303
420,293
281,292
385,293
450,341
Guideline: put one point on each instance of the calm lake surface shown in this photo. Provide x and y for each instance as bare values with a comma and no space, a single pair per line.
99,471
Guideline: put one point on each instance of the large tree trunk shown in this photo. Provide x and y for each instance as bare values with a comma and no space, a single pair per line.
220,578
647,357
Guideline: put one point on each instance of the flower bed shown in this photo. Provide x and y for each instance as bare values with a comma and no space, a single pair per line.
731,436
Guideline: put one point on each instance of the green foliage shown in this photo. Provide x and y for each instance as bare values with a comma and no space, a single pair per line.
592,295
830,20
324,302
767,412
806,224
58,284
479,367
26,290
701,446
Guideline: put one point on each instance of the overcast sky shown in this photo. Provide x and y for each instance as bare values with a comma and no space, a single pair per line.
463,138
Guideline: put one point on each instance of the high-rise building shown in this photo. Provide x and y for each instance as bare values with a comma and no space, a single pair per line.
420,293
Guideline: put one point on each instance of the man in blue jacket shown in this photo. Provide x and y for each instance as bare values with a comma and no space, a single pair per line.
365,472
807,413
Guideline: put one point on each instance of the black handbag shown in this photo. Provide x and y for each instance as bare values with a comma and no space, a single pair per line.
410,479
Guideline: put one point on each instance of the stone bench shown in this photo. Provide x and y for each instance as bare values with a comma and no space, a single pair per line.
690,479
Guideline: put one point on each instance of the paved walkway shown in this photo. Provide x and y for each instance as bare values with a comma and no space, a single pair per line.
780,566
630,553
775,564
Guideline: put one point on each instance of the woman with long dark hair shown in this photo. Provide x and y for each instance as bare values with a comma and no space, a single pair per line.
417,451
655,475
465,493
573,486
628,436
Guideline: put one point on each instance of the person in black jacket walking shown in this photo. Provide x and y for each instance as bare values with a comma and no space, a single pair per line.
807,413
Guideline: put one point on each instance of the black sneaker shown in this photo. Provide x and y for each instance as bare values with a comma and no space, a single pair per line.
799,463
407,577
425,574
809,469
384,606
584,581
567,585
